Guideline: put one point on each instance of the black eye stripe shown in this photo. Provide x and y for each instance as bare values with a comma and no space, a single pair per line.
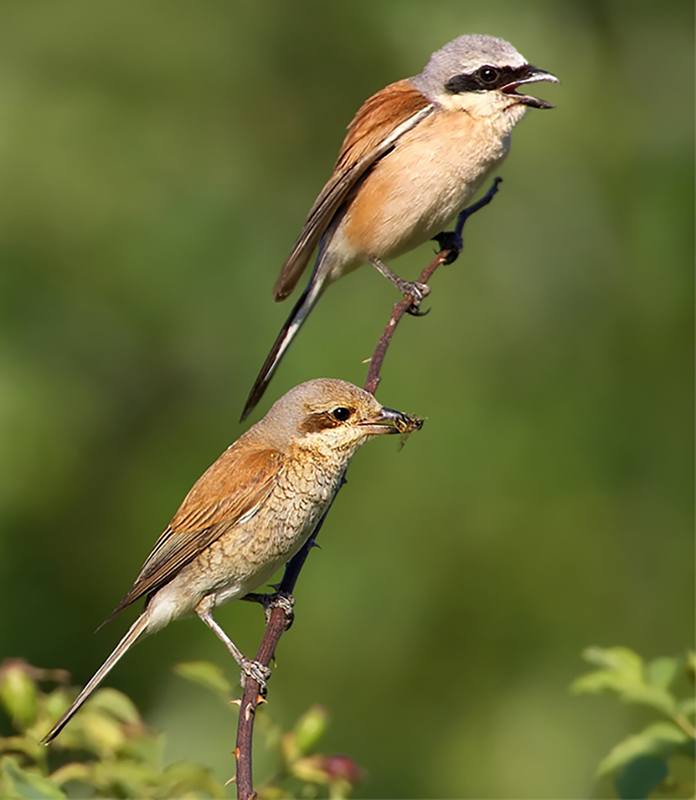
323,420
472,81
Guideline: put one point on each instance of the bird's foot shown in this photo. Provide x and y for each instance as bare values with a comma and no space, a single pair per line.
418,291
413,289
451,241
280,600
257,672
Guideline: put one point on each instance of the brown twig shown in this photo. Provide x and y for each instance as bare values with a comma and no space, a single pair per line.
278,617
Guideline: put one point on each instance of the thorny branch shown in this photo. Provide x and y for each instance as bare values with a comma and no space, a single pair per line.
279,616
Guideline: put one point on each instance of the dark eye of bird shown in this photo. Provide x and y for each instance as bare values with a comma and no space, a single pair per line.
488,75
341,413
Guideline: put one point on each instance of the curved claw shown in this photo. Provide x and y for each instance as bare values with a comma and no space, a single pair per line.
418,291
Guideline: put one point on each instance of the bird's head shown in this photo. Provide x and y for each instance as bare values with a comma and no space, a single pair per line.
328,415
481,75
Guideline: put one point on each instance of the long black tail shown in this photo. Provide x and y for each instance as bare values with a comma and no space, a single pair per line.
292,325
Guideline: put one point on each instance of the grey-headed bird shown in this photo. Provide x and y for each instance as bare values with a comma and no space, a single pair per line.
250,512
414,155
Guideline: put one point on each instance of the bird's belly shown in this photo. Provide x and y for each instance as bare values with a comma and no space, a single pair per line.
415,191
245,557
231,567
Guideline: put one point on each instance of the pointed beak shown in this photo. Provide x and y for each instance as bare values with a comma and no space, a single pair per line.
388,420
532,75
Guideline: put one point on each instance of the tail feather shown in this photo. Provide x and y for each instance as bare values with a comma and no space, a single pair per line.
133,634
292,325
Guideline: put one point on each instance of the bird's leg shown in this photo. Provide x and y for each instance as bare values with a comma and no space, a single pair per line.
254,669
452,242
270,601
418,291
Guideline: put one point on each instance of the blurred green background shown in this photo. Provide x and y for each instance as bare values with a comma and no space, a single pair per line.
156,162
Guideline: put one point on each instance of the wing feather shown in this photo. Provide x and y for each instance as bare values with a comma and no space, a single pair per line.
378,124
231,491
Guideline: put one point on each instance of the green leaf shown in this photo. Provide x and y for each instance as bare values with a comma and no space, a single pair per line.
270,792
640,777
146,748
620,659
73,772
310,769
205,674
56,702
661,672
622,672
660,739
115,704
18,694
51,706
309,729
691,664
653,696
124,778
22,744
628,690
97,732
24,784
596,682
184,777
688,706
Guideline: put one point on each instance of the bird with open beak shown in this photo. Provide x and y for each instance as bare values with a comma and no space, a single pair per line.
250,512
413,157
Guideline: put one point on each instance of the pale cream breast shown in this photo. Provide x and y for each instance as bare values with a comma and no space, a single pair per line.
246,556
414,192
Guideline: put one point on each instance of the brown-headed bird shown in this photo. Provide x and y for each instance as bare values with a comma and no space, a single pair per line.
250,512
414,155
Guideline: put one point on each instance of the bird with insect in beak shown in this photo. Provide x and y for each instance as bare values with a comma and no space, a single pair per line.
414,155
250,512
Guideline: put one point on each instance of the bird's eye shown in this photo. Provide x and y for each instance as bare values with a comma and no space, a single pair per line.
488,75
341,413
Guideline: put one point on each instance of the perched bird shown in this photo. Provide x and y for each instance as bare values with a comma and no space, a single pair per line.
414,155
250,512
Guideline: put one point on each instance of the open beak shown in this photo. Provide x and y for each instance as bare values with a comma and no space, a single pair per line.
532,75
387,420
